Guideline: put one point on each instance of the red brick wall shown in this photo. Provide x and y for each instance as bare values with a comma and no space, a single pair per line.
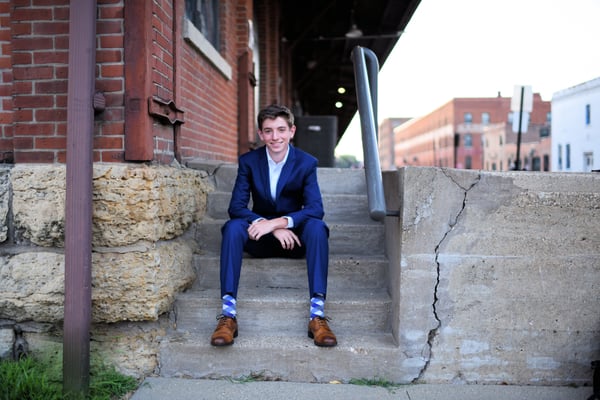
39,39
34,81
109,125
273,60
207,96
36,55
6,87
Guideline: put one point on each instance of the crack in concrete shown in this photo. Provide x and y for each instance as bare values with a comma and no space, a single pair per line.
433,332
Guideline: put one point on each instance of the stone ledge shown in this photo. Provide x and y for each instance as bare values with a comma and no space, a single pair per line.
131,203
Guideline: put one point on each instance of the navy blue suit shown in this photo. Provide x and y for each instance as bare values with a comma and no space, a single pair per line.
297,196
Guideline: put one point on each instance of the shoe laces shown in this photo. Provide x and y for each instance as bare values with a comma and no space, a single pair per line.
322,320
223,319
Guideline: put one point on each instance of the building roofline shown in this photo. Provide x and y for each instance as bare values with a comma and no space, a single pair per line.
591,84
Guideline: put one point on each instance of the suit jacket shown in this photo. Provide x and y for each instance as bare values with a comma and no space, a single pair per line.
297,195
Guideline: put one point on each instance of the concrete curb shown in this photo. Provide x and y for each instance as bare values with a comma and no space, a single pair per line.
198,389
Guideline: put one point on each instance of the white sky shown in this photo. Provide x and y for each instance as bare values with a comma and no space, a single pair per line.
477,48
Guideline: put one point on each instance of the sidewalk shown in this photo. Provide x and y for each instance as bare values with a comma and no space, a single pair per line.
199,389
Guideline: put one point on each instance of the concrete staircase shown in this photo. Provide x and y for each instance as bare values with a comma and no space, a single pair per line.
274,345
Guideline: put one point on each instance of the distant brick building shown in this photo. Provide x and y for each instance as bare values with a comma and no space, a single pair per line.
386,141
452,135
500,147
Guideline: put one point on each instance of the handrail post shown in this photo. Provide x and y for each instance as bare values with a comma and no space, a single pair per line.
365,75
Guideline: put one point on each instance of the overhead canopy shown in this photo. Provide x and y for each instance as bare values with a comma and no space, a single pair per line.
320,34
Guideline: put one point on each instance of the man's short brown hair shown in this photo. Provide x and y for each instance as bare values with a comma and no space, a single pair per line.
273,111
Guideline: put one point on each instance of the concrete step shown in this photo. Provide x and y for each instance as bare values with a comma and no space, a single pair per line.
289,357
344,272
347,238
339,208
279,310
273,303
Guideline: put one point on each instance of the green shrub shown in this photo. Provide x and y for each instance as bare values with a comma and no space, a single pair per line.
40,378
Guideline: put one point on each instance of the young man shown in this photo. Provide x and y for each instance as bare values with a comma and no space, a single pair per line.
286,220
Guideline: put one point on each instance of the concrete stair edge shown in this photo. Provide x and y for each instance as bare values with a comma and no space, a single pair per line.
296,358
367,272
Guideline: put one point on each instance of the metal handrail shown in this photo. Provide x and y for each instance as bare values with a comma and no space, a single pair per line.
366,68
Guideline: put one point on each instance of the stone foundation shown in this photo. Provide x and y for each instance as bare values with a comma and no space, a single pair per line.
142,255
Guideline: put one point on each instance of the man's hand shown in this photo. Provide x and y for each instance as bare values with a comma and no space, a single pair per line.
262,227
278,226
287,238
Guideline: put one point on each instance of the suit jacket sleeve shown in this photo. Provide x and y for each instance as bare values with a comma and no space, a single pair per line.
242,189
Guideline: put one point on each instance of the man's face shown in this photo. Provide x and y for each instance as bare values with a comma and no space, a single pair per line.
276,135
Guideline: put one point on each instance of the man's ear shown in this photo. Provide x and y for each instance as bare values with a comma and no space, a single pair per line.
293,130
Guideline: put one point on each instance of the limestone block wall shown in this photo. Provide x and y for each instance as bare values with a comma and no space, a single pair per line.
142,254
495,276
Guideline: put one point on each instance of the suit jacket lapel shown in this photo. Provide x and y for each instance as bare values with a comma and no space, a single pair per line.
263,169
286,171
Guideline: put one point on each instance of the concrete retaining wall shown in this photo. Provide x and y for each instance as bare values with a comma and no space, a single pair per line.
495,276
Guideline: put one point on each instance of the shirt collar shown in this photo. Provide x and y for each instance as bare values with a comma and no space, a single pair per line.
271,161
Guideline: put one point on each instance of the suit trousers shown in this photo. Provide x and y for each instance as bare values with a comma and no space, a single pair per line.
313,234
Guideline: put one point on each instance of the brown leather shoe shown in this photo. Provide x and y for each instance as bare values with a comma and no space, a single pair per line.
225,331
318,329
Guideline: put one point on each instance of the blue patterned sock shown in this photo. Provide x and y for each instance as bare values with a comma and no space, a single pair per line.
317,305
229,306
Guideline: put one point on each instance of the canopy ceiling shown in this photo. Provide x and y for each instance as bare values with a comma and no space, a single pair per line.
320,36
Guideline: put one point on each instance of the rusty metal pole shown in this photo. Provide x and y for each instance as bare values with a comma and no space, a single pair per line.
78,212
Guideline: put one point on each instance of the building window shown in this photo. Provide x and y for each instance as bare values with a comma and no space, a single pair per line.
588,161
546,163
204,14
588,114
500,141
485,118
568,157
560,157
201,31
468,118
468,162
510,117
548,117
468,140
545,131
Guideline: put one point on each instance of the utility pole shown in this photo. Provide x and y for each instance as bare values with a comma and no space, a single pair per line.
518,162
522,102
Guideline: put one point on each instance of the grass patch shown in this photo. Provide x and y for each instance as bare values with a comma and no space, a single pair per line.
391,386
40,378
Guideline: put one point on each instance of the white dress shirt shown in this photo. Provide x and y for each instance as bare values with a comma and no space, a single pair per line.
274,173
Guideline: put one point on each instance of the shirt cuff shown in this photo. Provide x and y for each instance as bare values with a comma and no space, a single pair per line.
290,221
